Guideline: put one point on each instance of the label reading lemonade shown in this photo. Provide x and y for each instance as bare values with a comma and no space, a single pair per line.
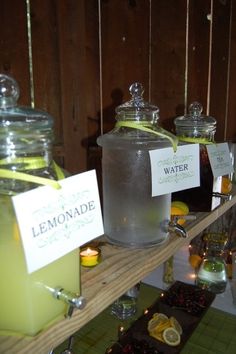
54,222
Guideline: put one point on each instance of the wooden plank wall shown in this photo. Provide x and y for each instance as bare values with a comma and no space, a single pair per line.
86,53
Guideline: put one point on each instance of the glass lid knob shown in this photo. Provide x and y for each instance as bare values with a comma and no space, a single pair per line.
136,90
9,91
195,109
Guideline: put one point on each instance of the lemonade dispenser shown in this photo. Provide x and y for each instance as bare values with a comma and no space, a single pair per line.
29,302
132,216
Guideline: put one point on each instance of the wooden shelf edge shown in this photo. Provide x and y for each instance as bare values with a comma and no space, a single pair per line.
120,269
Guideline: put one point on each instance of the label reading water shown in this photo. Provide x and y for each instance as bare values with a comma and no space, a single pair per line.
219,156
54,222
174,171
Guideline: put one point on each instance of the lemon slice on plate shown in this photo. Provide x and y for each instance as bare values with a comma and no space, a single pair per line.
157,336
176,325
162,326
160,315
157,320
171,336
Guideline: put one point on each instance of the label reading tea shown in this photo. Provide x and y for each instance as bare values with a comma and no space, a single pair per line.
219,157
54,222
174,171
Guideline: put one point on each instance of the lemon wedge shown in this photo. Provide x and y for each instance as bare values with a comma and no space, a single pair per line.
179,208
194,260
226,185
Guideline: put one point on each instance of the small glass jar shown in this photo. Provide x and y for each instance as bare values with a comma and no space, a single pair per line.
125,306
195,127
212,273
26,136
200,129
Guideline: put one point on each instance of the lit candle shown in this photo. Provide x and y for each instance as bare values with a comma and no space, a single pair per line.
120,331
89,257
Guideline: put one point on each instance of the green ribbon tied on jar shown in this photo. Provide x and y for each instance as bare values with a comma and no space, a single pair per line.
30,163
148,127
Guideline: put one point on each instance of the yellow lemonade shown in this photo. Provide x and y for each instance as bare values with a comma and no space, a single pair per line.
26,301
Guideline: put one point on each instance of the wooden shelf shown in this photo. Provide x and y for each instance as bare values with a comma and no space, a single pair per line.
120,269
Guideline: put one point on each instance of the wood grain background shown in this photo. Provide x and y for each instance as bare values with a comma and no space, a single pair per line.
86,53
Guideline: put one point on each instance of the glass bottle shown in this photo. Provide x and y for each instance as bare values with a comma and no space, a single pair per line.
27,304
198,128
132,217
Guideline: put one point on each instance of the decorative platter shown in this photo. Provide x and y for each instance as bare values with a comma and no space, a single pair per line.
187,303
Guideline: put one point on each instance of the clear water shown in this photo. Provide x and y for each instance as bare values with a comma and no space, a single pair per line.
132,217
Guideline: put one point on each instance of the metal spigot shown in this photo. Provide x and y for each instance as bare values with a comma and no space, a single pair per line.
72,299
173,227
176,228
222,196
68,350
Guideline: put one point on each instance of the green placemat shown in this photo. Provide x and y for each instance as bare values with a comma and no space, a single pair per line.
215,334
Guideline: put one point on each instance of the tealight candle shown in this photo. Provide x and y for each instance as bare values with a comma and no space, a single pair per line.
89,257
121,331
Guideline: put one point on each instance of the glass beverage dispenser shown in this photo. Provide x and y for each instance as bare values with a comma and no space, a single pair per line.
132,217
200,129
28,302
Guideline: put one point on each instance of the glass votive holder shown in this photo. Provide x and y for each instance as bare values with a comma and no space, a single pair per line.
90,256
126,305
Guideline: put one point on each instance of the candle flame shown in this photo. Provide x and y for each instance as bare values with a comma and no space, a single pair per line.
191,276
121,329
89,252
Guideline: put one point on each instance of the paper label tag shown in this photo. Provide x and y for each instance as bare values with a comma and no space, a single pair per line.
220,161
54,222
174,171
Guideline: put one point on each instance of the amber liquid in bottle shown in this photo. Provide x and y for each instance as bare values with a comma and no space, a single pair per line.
200,198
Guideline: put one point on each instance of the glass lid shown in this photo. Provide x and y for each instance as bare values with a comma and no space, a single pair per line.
137,108
12,115
195,118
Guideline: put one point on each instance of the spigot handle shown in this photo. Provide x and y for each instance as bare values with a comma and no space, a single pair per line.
70,344
175,218
173,227
70,311
72,299
222,196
